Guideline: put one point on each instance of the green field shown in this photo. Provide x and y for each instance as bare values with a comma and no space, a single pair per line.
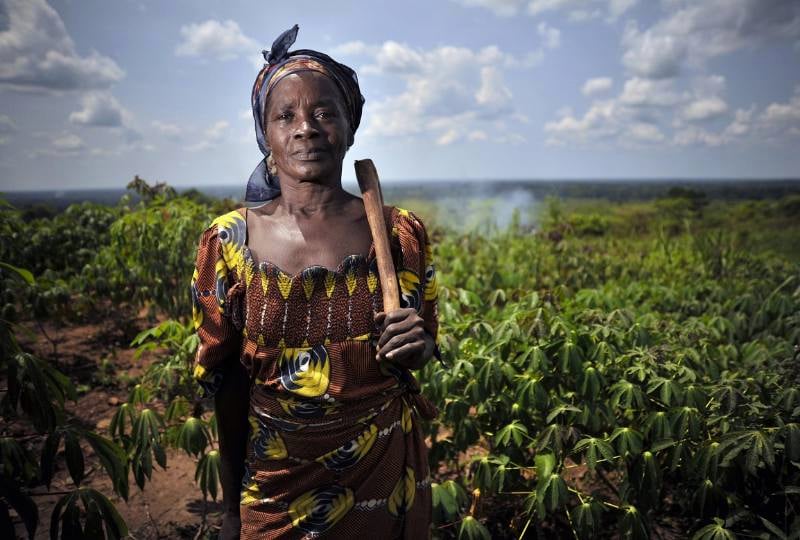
615,367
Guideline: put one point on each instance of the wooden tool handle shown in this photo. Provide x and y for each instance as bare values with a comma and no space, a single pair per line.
373,203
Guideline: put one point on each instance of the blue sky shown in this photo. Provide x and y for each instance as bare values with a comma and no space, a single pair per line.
93,92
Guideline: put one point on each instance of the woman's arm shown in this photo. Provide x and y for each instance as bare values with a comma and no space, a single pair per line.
231,408
218,370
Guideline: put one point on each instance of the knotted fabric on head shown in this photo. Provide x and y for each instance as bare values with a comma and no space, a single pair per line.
264,186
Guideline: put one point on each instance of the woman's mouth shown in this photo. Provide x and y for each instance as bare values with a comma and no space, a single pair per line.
312,154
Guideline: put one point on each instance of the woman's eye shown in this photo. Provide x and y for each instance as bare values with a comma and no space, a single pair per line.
285,116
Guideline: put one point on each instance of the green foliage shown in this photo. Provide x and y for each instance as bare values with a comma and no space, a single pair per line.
653,343
150,256
665,363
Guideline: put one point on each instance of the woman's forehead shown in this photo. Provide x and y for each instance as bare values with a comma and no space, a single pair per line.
304,85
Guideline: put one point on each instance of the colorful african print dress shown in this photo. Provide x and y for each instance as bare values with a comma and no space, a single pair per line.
336,447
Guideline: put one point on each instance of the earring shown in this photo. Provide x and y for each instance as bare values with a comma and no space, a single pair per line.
271,166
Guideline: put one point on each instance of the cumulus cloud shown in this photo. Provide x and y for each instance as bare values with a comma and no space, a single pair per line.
493,93
7,127
220,40
449,93
37,53
551,37
173,131
501,8
582,10
783,114
210,137
99,109
705,108
648,111
695,31
645,132
576,10
639,92
61,145
695,135
596,85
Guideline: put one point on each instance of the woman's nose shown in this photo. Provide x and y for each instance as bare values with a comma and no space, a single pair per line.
306,128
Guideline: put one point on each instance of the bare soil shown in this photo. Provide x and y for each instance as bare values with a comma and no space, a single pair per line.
100,362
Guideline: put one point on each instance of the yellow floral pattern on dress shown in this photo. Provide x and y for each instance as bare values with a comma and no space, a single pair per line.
232,233
306,408
350,453
431,283
305,371
318,510
402,496
267,443
409,289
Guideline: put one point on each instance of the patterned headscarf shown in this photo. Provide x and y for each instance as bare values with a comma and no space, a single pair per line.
263,185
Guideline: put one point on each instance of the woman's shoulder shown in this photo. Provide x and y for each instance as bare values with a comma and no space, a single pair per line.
226,235
228,227
406,222
403,216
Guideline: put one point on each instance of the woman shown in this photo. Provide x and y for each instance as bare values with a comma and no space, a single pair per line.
329,441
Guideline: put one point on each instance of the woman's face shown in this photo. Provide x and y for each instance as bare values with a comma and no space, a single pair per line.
307,127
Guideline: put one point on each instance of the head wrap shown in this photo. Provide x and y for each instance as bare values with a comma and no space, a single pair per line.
263,185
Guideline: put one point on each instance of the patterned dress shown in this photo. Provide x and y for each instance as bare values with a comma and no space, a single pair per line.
336,447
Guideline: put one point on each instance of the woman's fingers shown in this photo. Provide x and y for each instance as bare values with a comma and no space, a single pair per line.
408,355
415,335
395,323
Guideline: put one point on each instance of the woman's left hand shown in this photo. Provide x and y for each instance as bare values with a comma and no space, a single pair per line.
403,338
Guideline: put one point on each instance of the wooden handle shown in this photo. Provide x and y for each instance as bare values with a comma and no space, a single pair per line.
373,203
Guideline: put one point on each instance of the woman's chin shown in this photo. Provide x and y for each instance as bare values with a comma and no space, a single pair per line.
310,171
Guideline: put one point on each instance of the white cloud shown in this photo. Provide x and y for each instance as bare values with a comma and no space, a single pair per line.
37,53
602,120
448,92
705,109
551,37
648,111
649,93
448,137
7,127
645,133
577,10
100,109
782,114
652,54
618,7
694,31
69,142
582,10
172,131
597,85
211,136
740,124
694,135
501,8
61,145
220,40
493,92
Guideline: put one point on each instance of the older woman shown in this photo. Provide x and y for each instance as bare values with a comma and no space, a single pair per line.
288,308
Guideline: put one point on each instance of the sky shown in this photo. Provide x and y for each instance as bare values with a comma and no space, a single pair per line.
93,92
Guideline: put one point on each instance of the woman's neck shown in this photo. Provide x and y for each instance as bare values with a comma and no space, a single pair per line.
309,198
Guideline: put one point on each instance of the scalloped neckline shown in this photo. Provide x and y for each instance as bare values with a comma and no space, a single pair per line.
339,270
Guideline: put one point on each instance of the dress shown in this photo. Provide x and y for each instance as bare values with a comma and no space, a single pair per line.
336,447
